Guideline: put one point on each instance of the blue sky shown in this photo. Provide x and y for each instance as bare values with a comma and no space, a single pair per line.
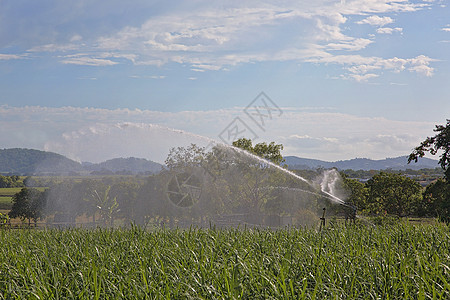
350,78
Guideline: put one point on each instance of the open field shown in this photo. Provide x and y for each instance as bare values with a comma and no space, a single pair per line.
6,196
5,203
355,262
9,191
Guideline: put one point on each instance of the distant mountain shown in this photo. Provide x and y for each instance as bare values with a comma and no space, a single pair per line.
20,161
295,162
126,165
397,163
28,161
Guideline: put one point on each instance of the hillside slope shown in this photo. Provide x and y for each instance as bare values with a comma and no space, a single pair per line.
396,163
132,165
29,161
19,161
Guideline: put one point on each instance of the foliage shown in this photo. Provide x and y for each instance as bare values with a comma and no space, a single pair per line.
436,200
10,181
231,181
4,219
439,142
28,204
357,192
363,174
65,198
270,152
107,205
182,157
395,262
125,193
393,194
257,181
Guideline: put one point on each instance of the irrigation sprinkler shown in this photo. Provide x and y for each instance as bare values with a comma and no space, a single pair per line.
350,213
322,220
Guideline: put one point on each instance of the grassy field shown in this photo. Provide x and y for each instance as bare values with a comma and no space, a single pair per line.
6,196
9,191
397,262
5,203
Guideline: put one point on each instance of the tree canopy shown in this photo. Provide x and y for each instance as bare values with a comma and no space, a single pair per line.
28,204
270,152
10,181
437,200
434,144
394,194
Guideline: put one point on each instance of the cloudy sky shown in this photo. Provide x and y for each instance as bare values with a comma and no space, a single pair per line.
341,79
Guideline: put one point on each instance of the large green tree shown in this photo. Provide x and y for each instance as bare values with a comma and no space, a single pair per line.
393,194
434,144
185,157
357,192
436,200
126,194
29,204
270,152
258,184
10,181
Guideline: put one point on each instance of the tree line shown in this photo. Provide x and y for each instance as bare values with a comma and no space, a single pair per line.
10,181
195,186
392,193
395,194
233,183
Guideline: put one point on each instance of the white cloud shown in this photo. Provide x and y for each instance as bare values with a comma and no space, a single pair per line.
353,45
360,65
422,69
376,21
389,30
10,56
55,48
309,142
446,28
210,38
363,77
76,38
90,134
88,61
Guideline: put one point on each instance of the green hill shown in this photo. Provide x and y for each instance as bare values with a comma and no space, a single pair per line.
396,163
126,165
28,161
20,161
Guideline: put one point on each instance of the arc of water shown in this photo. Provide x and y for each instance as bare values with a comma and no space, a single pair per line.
261,160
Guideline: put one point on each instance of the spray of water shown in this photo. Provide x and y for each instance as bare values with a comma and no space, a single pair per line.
247,185
328,183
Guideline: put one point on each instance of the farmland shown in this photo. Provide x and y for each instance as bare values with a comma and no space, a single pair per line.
6,195
354,262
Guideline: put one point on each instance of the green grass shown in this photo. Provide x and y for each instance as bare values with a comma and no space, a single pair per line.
397,262
9,191
5,202
6,196
12,191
